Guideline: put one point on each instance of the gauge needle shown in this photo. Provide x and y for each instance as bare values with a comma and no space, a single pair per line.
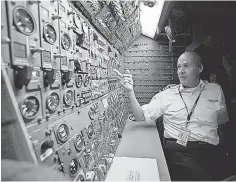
19,23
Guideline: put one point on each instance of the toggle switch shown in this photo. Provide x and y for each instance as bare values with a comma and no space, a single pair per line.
71,27
58,56
34,50
90,175
5,40
61,166
70,12
54,17
33,2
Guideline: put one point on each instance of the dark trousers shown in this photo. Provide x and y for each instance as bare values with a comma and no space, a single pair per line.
197,161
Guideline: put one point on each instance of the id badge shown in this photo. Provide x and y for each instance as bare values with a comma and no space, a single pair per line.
183,136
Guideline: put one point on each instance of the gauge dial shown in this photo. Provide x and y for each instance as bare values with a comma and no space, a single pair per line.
73,167
49,33
90,131
53,101
63,133
66,41
79,142
68,97
24,21
86,81
78,81
30,107
91,113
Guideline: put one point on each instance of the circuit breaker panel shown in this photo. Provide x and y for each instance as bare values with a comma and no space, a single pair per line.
61,72
152,66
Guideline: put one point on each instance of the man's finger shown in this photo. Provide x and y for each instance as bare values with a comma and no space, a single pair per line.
118,73
127,72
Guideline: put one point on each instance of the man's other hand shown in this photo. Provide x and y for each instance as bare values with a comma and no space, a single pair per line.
126,80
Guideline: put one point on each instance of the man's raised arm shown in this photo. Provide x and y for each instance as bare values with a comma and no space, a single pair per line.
127,83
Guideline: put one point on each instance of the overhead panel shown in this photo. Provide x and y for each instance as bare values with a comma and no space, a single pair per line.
152,65
118,21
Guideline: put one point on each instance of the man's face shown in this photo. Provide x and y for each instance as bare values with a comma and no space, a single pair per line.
188,70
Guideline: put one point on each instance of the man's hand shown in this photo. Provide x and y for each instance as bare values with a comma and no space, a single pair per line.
126,80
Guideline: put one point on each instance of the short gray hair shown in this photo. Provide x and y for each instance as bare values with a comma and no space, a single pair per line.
193,56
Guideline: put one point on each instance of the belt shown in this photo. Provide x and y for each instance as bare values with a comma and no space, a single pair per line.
189,142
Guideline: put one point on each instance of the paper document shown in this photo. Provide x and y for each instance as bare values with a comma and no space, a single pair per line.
133,169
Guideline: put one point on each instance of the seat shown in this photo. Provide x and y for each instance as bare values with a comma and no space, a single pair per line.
231,178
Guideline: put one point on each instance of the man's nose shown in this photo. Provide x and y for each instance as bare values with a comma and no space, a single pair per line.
181,70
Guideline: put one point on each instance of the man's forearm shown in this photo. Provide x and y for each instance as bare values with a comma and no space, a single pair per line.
135,107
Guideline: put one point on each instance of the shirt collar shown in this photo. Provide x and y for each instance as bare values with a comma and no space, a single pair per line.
199,87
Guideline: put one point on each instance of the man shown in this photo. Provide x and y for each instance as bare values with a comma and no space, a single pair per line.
192,112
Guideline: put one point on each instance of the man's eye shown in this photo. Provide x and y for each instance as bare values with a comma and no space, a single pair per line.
185,66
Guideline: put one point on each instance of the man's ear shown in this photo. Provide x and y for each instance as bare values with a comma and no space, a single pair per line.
201,68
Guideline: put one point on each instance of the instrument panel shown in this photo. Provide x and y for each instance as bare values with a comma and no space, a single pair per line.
61,75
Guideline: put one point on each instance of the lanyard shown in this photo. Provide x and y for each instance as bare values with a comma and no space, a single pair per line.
191,112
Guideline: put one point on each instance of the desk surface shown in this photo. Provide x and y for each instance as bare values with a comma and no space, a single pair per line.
142,140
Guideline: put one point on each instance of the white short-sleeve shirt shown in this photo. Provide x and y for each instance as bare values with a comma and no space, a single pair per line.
208,113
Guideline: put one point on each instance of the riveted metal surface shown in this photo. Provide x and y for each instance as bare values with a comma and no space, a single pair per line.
152,66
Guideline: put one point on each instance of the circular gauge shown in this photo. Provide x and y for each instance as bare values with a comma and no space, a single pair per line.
66,41
80,177
68,97
73,167
49,33
24,21
77,21
79,142
86,81
90,131
91,113
53,101
78,81
63,133
30,107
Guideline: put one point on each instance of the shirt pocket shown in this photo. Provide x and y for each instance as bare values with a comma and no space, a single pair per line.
208,112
